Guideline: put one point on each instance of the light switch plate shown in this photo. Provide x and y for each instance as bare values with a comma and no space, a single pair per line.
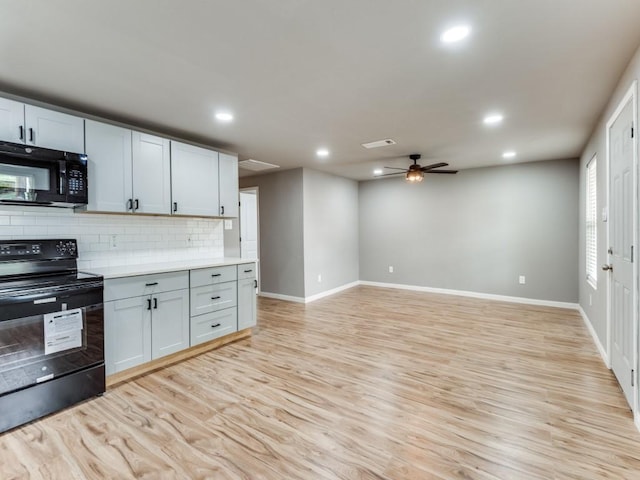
228,224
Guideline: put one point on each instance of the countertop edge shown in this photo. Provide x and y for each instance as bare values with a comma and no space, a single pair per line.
122,271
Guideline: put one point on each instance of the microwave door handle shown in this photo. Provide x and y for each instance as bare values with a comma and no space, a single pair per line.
63,175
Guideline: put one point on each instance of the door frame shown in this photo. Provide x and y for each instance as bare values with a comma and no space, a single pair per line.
257,190
630,95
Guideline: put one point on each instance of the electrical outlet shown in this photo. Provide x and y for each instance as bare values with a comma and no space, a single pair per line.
521,280
390,268
113,243
188,238
319,278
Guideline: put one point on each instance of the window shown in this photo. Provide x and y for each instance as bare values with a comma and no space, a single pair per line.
591,223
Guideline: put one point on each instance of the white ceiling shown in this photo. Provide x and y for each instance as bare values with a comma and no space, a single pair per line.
304,74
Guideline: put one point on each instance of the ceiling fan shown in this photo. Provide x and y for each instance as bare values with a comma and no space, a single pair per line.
415,172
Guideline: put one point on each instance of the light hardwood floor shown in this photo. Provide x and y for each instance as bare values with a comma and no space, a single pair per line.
368,384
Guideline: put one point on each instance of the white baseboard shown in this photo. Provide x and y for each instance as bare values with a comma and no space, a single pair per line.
596,340
287,298
312,298
466,293
636,420
333,291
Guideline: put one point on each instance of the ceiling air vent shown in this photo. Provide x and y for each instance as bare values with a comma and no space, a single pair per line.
379,143
256,165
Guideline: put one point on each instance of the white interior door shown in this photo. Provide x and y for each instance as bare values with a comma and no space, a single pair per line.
621,256
248,224
249,228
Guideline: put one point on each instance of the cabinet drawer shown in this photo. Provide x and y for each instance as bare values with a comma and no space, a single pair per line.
209,298
210,276
126,287
246,270
213,325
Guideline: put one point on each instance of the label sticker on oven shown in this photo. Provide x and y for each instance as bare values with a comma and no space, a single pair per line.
62,331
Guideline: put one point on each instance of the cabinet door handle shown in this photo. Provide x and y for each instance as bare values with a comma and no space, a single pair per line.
248,271
215,298
32,135
222,210
155,303
130,204
255,284
175,207
215,326
151,284
216,275
148,304
137,204
21,132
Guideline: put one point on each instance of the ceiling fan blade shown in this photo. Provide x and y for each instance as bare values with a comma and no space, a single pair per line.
396,168
389,174
434,165
442,171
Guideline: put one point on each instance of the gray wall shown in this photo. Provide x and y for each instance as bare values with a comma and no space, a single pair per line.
330,231
281,231
596,310
476,231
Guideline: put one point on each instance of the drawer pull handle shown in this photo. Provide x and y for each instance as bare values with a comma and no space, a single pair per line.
216,275
215,326
215,298
151,284
248,271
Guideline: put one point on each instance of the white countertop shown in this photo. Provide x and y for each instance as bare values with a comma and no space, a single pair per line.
162,267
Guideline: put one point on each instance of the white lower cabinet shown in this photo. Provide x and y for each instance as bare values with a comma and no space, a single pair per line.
148,326
213,325
127,333
214,296
150,316
247,287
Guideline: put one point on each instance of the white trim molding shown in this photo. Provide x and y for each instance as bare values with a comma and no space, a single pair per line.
311,298
594,335
286,298
465,293
333,291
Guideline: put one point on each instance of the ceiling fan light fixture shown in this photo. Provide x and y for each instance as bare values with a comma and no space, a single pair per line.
414,176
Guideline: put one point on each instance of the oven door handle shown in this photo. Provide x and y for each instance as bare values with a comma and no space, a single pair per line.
39,297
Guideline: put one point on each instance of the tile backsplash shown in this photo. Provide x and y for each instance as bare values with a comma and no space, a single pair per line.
110,240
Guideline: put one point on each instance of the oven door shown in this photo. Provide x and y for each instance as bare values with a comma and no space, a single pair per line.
46,334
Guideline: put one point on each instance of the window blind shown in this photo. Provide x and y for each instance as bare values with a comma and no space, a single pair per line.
592,224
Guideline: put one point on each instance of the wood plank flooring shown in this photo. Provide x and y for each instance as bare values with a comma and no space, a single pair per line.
367,384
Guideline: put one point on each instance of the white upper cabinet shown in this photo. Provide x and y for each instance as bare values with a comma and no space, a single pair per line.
194,180
12,121
151,174
49,129
228,185
109,167
40,127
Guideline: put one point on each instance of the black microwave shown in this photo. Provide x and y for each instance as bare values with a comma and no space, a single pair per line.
40,176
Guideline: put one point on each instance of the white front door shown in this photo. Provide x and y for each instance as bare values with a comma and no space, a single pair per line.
621,256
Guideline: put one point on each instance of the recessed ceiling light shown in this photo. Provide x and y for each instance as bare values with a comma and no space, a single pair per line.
322,152
224,116
509,154
455,34
493,119
377,171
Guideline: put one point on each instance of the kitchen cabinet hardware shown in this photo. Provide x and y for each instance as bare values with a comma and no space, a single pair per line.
152,284
148,304
216,275
21,132
32,137
215,298
248,271
155,303
130,204
215,326
137,204
255,284
222,210
175,207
